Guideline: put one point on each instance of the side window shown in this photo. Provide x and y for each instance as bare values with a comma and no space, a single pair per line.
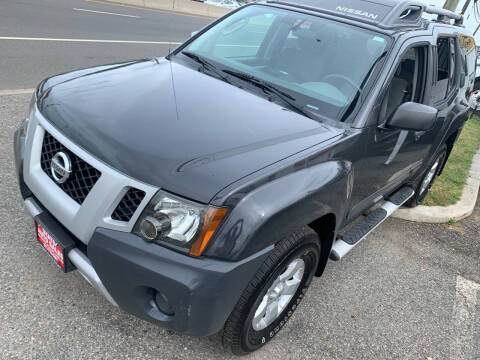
407,83
445,77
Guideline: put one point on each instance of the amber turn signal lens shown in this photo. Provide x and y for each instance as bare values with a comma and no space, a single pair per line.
213,219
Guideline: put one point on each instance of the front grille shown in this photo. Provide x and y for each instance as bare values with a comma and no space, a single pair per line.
129,204
83,176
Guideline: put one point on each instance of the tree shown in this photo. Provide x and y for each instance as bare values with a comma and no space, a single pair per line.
451,4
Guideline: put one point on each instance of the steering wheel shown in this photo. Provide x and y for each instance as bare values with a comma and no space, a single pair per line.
342,77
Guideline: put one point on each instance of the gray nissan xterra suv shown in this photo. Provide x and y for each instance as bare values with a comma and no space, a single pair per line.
203,191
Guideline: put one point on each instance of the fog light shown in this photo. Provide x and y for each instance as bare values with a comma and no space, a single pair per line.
162,304
151,227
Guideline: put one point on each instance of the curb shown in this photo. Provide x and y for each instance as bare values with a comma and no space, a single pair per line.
443,214
179,7
16,92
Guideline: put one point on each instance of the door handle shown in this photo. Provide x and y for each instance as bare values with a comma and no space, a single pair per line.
418,135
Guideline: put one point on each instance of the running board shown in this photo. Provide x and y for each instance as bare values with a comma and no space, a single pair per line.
360,230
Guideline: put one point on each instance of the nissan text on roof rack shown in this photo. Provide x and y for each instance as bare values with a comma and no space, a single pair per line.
204,191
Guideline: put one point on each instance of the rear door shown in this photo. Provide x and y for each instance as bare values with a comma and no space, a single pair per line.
444,94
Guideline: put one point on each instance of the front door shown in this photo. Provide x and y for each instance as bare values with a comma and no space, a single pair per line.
393,155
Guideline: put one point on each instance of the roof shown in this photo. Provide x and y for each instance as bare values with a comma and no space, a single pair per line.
386,14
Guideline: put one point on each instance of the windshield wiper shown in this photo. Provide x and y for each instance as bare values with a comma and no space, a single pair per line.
358,94
270,88
206,65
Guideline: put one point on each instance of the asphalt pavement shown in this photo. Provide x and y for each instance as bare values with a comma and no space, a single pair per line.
24,63
409,291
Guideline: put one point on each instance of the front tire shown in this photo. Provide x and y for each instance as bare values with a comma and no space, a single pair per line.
274,293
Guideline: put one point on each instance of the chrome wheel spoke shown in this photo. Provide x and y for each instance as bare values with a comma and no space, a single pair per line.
271,313
260,313
293,267
291,286
279,295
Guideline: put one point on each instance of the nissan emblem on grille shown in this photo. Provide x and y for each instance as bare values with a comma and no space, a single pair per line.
61,167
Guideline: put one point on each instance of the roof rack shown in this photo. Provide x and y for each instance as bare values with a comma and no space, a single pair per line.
408,13
444,15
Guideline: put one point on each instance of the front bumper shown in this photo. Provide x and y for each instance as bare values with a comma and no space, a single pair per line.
76,256
202,292
129,272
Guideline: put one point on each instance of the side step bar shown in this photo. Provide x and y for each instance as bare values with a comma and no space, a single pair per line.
360,230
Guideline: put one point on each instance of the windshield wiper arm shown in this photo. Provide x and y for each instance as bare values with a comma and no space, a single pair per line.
206,65
200,59
270,88
260,83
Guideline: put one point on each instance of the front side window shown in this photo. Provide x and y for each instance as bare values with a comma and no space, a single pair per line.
320,64
407,83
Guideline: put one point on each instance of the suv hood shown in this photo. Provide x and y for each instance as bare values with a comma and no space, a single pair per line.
173,127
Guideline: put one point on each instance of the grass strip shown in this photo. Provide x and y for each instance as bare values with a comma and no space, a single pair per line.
448,187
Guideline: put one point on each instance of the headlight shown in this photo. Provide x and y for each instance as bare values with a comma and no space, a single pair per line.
178,223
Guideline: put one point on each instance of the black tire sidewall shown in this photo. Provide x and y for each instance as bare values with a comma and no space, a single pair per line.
309,252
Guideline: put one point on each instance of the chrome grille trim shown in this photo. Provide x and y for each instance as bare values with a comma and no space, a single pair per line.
105,195
83,176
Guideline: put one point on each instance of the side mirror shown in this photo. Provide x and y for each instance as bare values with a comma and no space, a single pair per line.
413,116
193,33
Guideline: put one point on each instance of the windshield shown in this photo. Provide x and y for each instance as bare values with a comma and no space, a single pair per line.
321,64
